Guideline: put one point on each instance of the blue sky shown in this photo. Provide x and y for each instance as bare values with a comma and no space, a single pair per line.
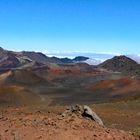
71,25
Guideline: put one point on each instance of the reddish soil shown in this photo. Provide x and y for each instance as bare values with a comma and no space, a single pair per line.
75,70
118,87
20,124
121,115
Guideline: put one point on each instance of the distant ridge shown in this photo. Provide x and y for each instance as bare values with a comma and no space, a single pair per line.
29,59
11,59
121,64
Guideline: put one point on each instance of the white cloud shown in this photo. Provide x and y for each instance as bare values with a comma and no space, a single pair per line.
76,52
109,53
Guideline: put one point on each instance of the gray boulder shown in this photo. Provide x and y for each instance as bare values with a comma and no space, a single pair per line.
84,111
89,113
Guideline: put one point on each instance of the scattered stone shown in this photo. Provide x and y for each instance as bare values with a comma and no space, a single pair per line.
17,136
6,130
39,137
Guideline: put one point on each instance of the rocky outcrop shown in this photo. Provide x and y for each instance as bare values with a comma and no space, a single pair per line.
84,111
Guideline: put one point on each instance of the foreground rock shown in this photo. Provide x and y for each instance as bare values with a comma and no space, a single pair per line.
84,111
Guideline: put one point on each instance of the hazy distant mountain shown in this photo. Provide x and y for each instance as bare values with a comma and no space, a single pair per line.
102,55
89,58
90,61
80,58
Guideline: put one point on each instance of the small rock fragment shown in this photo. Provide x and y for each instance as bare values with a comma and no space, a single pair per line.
17,136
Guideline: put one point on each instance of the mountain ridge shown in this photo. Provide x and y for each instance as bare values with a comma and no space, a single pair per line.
11,59
20,60
122,64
